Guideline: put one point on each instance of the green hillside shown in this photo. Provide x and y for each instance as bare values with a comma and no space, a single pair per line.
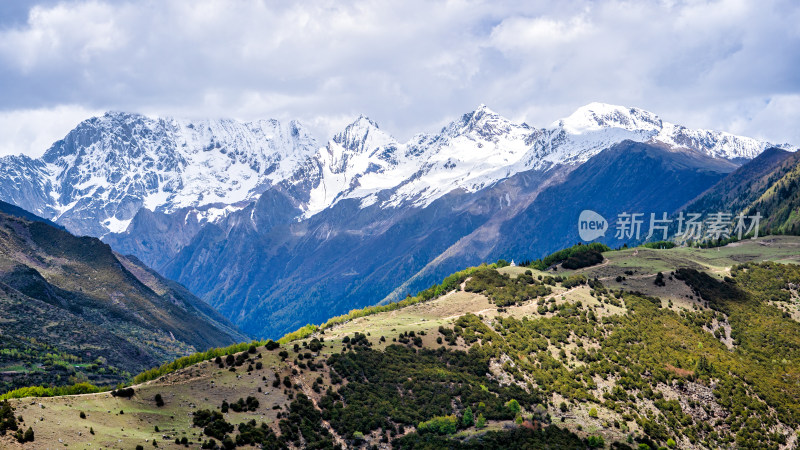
768,185
780,204
675,348
72,311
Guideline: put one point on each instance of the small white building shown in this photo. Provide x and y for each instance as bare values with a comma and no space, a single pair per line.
513,264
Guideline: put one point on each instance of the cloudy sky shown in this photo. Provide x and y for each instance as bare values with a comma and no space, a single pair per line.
410,65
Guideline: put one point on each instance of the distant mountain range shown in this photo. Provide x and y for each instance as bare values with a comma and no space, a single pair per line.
71,308
275,230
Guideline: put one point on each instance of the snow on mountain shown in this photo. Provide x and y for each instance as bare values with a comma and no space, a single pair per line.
110,166
106,169
360,160
483,148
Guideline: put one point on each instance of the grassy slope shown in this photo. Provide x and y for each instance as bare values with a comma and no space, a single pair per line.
672,351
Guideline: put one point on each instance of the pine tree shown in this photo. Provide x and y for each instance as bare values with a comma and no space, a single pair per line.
468,419
481,422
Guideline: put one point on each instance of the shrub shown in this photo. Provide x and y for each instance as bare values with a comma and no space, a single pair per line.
481,421
582,259
595,442
513,405
124,392
213,422
439,424
565,254
42,391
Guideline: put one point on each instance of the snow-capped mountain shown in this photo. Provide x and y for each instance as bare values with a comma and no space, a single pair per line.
483,147
276,229
105,170
96,179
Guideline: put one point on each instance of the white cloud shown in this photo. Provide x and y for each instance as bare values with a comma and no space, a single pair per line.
768,119
32,131
520,34
409,65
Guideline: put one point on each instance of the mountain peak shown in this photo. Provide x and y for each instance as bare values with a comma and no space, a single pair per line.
481,123
363,120
361,135
482,111
482,108
596,115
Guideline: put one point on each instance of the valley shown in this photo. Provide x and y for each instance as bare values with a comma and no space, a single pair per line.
72,310
275,228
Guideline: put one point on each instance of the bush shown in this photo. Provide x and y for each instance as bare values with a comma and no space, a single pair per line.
513,405
123,393
595,442
593,413
43,391
27,436
582,259
573,281
563,255
439,425
213,423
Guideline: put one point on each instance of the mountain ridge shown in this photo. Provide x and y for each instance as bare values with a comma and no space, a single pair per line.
76,297
95,179
295,228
